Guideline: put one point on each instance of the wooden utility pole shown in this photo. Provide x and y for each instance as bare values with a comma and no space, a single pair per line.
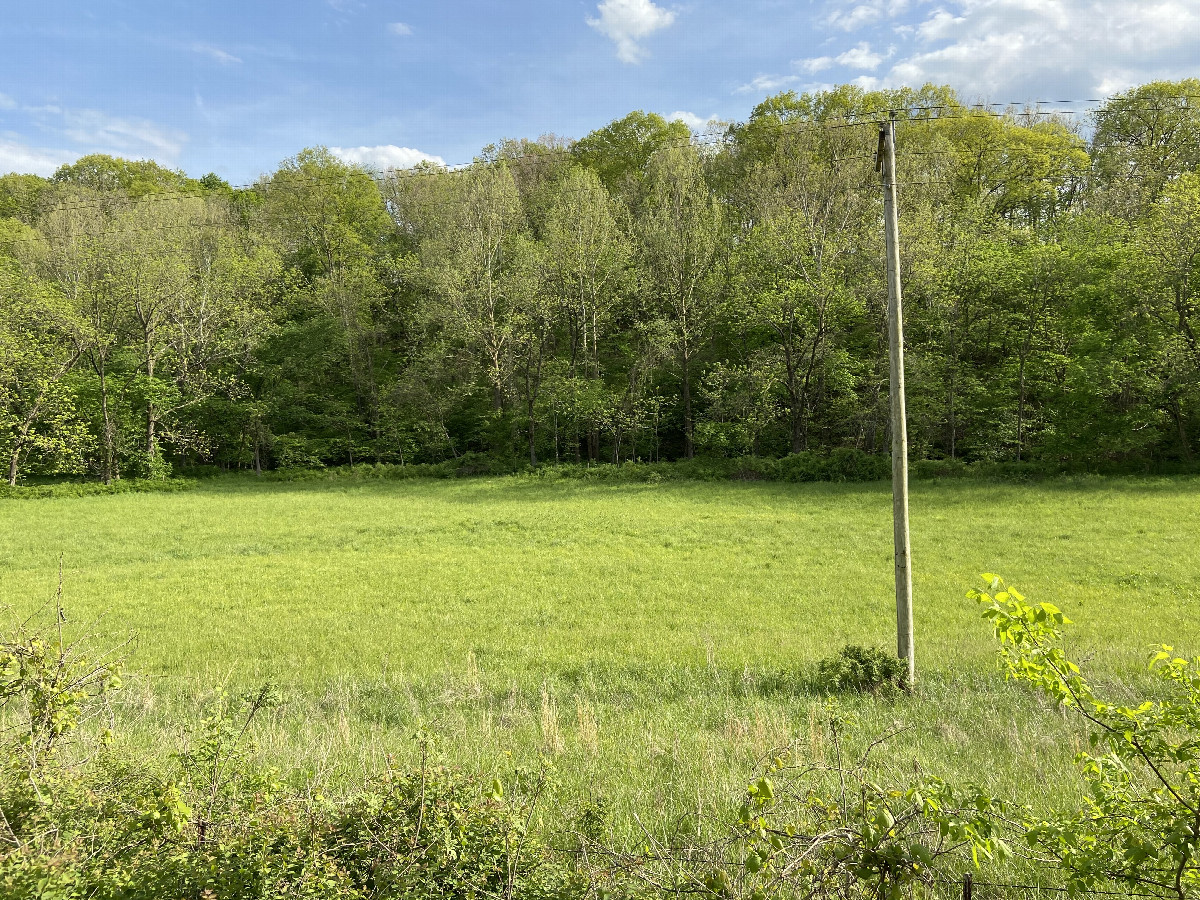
886,164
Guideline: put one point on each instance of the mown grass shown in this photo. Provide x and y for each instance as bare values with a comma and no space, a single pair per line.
653,639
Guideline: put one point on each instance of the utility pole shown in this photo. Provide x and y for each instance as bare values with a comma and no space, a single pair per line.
886,165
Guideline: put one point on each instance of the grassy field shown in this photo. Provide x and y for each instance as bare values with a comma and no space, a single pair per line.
653,639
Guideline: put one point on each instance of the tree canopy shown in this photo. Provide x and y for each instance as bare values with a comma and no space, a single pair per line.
639,293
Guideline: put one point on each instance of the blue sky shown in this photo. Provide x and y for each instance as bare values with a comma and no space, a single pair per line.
234,87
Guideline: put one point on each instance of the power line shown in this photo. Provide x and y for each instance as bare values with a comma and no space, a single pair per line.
267,183
235,226
912,115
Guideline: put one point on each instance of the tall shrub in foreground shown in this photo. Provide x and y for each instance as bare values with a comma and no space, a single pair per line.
1140,821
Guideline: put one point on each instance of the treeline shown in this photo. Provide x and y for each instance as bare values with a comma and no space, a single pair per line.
640,293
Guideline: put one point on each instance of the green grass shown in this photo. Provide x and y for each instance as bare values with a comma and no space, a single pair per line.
654,639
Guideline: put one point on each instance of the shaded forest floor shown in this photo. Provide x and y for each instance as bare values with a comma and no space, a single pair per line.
654,640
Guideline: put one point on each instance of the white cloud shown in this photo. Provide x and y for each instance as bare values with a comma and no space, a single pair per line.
940,26
85,131
626,22
1017,50
102,133
815,64
400,29
860,57
385,156
768,84
854,15
691,120
855,18
18,157
216,53
1003,50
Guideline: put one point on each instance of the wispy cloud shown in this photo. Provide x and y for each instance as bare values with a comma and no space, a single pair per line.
860,57
627,22
852,16
385,156
691,120
399,28
767,84
28,160
216,53
815,64
7,102
99,132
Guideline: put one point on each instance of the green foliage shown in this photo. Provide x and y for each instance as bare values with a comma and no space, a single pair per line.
47,686
633,296
862,669
843,465
1140,822
39,347
1143,139
21,197
217,823
618,152
90,488
100,172
845,828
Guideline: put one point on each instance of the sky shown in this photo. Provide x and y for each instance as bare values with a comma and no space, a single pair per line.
236,87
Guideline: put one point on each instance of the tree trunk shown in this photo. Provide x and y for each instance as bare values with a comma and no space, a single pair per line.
13,459
151,412
1021,401
953,411
1184,444
689,447
797,420
109,453
793,391
953,421
530,399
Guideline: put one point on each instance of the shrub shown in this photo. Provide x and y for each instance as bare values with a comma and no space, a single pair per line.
862,669
90,488
806,829
78,820
1138,824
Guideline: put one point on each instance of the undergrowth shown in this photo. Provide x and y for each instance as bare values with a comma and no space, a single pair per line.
60,489
839,465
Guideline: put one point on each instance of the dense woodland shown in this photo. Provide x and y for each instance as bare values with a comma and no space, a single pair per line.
640,293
